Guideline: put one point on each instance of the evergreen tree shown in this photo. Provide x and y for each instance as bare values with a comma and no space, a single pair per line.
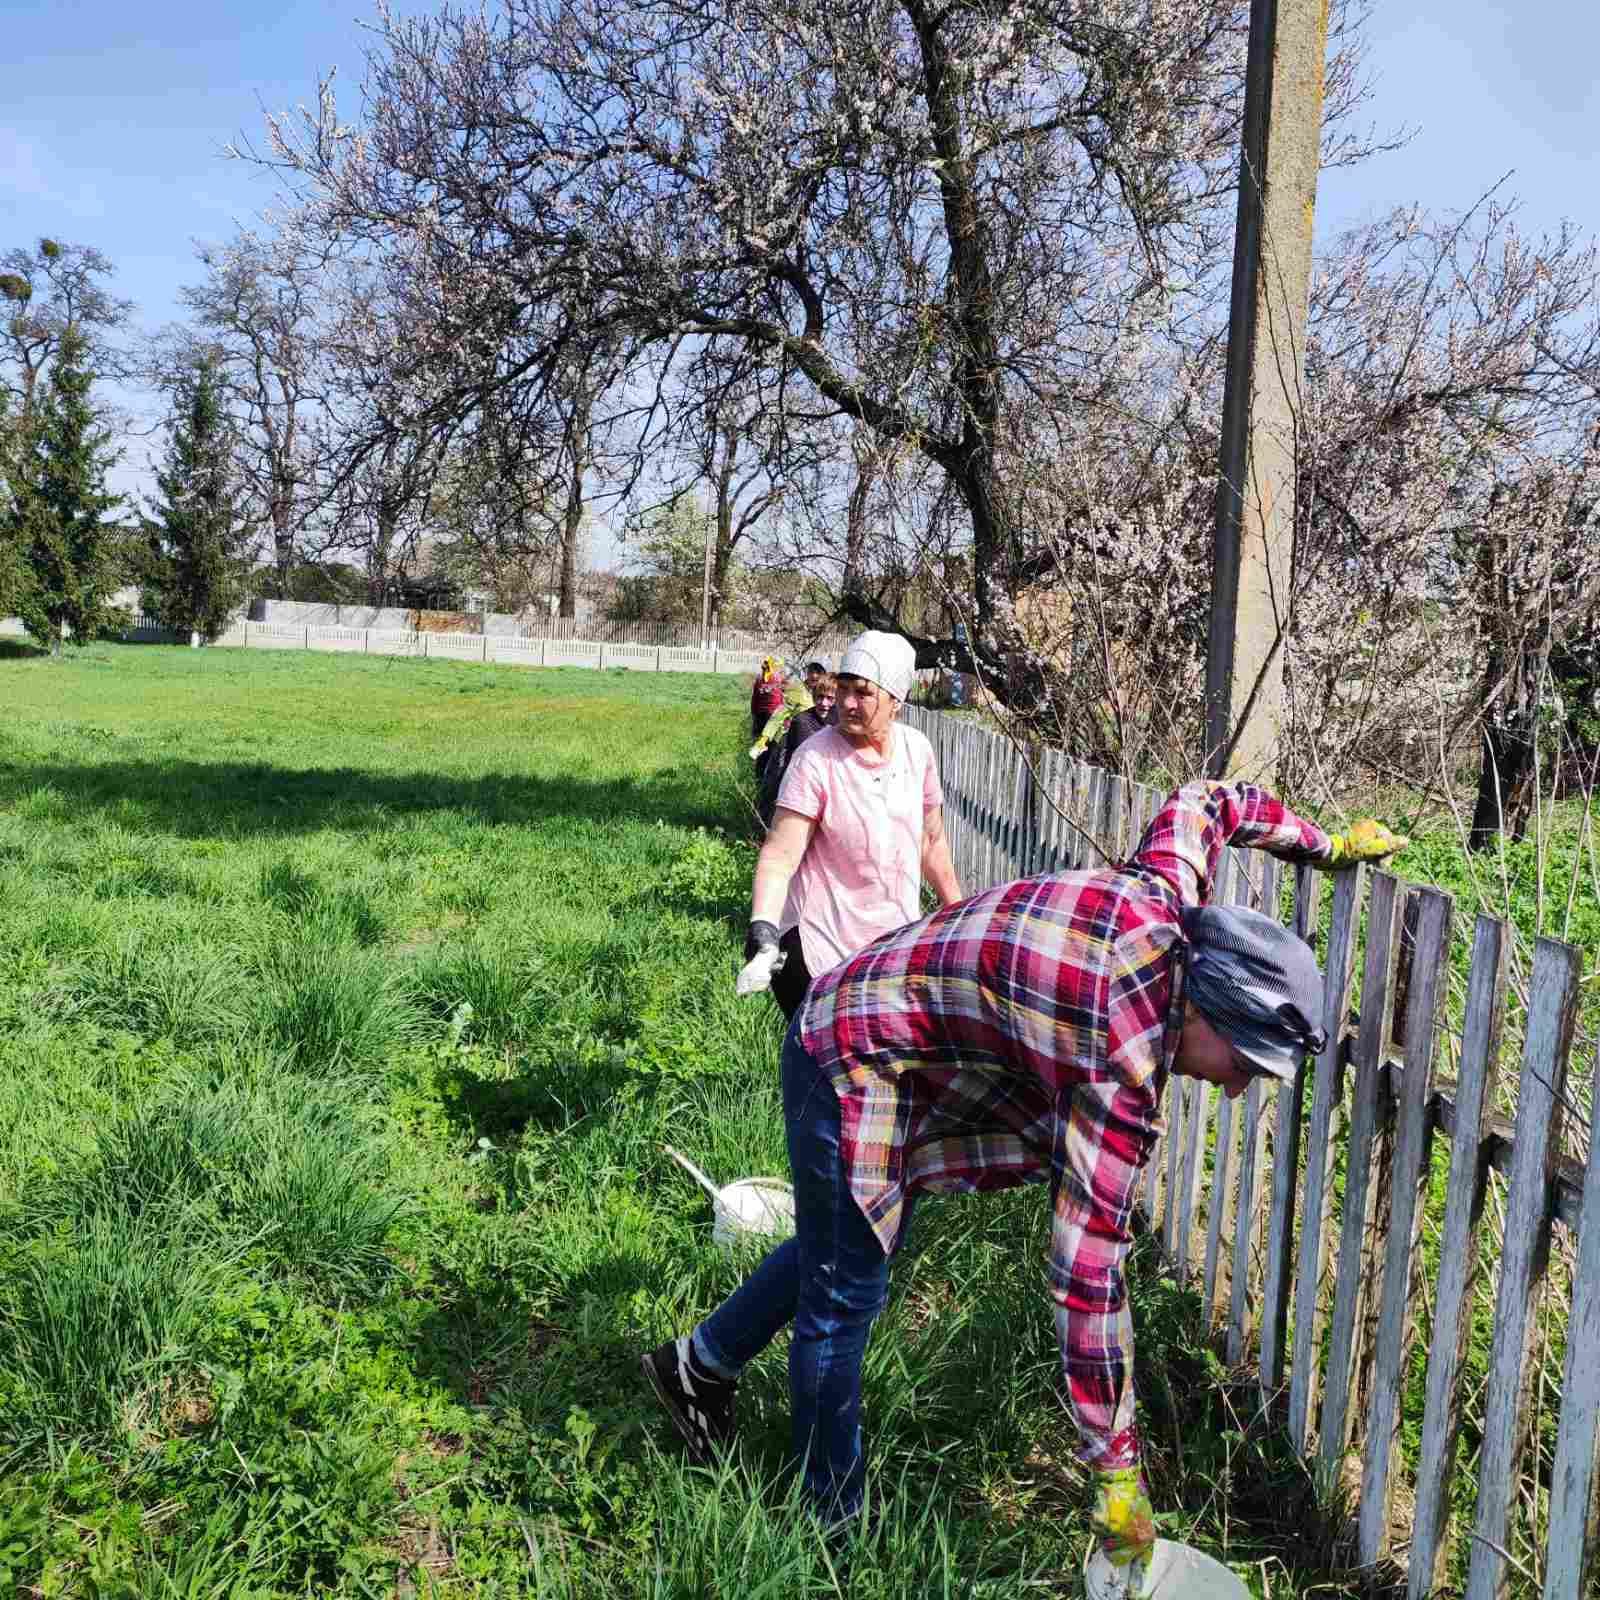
199,546
60,502
13,568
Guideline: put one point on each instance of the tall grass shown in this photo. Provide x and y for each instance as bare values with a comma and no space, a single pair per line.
189,993
330,1005
346,1008
92,1323
272,1163
490,991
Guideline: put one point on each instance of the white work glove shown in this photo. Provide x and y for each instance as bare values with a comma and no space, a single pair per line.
762,959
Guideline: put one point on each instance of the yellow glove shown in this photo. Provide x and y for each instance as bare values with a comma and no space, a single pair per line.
773,729
1367,840
1124,1522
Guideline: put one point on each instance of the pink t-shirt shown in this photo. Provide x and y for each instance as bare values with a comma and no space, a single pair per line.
862,872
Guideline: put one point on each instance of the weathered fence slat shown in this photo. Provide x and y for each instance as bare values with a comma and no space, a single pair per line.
1194,1147
1116,824
956,810
1150,1183
972,779
974,782
988,790
1458,1254
969,833
1313,1237
1289,1101
1221,1172
1064,774
950,782
1199,1102
1429,974
1573,1505
1366,1113
1075,776
1049,815
1246,1216
999,791
1027,814
1021,843
1093,807
1252,1135
1091,789
1231,889
1032,813
1552,1004
1045,814
1177,1116
1138,814
995,790
1060,791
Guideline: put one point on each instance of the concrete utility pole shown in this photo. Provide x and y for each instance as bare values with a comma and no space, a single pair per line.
1266,344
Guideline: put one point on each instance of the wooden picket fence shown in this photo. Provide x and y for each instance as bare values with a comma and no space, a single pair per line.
1298,1212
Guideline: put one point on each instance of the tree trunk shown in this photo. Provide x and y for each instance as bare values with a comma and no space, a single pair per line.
722,548
855,526
572,525
975,370
282,547
1510,751
382,550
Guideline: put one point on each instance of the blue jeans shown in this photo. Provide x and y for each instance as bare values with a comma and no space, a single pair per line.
830,1280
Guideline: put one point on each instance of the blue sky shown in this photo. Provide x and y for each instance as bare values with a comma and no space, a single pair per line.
113,117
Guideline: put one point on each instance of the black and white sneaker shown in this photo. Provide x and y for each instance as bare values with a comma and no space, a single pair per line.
699,1403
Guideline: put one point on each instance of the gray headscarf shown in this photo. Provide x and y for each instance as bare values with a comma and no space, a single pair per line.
1256,983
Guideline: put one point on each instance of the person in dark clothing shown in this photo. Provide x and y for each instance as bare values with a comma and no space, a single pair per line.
801,726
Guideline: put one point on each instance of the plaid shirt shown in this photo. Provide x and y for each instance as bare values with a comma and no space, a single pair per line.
1026,1034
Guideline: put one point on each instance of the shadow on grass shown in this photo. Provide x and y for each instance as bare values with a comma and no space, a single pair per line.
21,650
197,800
489,1347
546,1096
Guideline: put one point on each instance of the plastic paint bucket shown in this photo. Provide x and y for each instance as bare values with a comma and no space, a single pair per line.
1174,1572
752,1208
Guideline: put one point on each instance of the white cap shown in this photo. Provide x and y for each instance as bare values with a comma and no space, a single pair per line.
889,660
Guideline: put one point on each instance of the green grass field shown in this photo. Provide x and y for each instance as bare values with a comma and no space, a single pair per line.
345,1009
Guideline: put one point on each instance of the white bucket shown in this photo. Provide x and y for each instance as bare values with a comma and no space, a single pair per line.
1173,1572
749,1208
752,1208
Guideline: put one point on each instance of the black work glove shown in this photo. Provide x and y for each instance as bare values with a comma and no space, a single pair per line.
762,936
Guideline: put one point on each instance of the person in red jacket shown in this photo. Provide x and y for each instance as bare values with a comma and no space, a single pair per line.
766,694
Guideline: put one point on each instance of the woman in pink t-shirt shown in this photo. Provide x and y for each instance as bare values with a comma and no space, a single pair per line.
859,826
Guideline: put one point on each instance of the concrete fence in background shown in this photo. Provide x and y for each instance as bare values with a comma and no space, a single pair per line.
499,649
588,629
